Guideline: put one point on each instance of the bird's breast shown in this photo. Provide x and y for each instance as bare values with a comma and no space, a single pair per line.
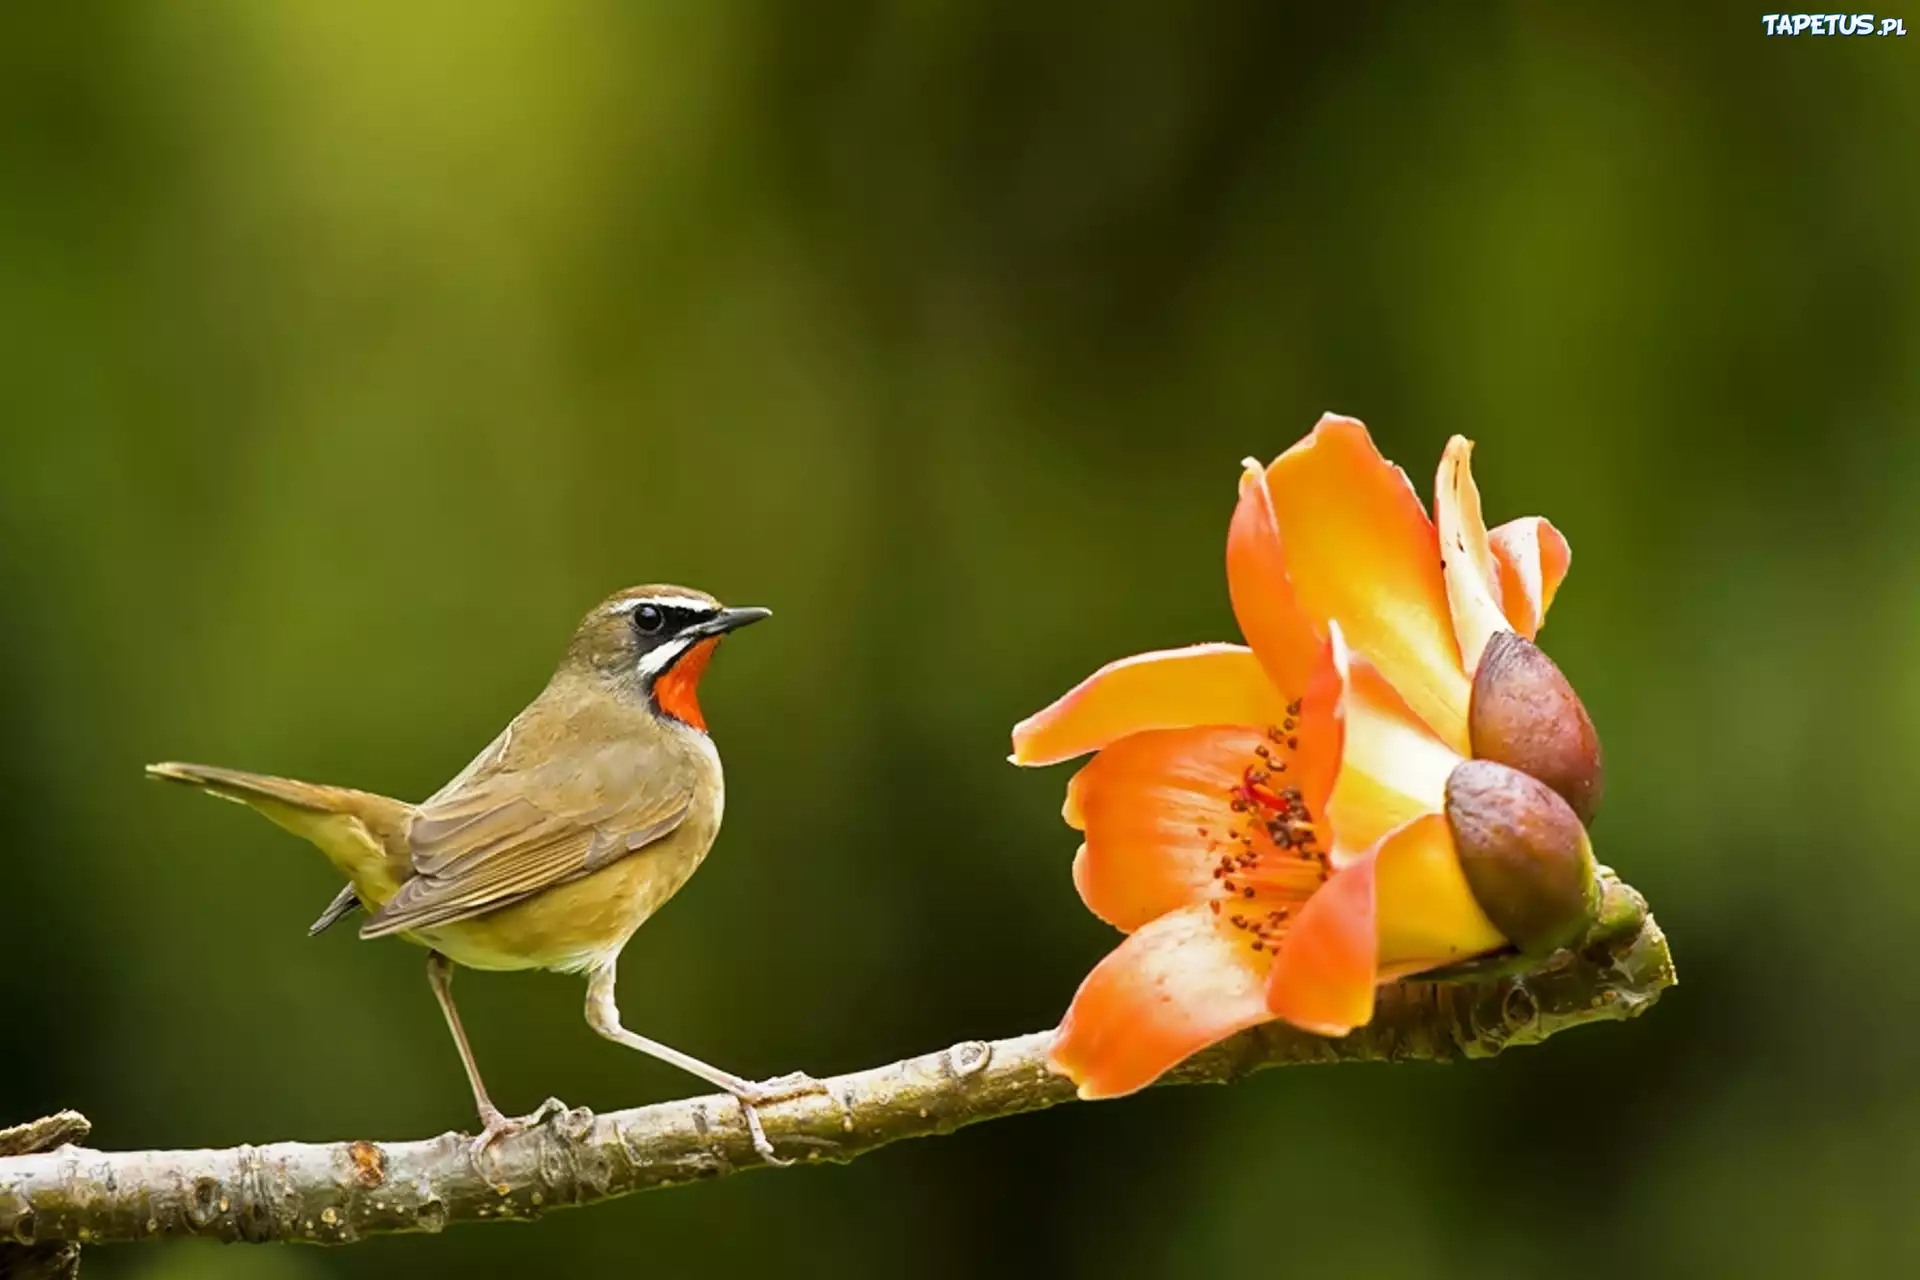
581,924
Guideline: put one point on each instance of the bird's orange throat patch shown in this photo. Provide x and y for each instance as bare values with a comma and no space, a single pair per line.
675,690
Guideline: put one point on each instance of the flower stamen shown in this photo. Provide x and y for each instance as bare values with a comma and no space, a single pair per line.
1276,852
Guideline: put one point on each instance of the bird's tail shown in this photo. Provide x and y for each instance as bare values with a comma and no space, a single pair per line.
362,834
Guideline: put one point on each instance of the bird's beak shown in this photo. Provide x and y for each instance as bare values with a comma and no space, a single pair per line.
730,620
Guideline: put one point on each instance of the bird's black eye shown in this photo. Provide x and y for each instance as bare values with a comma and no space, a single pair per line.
648,620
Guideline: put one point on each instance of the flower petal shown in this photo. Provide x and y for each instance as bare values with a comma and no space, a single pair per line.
1175,817
1427,913
1319,733
1533,558
1181,983
1392,770
1361,550
1157,808
1203,684
1280,631
1323,979
1473,588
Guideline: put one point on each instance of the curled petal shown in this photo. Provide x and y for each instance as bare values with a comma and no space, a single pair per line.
1317,741
1283,635
1393,769
1204,684
1428,913
1473,587
1323,979
1181,983
1360,550
1070,811
1533,558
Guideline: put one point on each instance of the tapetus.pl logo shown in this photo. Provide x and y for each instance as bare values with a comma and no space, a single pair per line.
1832,24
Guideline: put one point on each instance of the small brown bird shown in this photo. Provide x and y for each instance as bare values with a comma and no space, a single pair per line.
576,824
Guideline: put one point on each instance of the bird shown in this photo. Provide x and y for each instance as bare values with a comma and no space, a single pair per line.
580,820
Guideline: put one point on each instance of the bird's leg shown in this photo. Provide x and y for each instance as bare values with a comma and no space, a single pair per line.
440,975
495,1123
603,1015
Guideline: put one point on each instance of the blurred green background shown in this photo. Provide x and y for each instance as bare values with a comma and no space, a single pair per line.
349,352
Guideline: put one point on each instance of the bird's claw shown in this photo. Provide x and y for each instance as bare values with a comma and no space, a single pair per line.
794,1084
496,1125
759,1093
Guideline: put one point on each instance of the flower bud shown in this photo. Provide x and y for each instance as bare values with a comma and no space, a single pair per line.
1526,857
1524,714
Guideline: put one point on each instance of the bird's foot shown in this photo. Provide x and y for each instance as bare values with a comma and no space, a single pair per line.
794,1084
496,1125
753,1094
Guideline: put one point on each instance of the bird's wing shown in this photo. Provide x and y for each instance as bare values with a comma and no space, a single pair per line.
507,835
344,903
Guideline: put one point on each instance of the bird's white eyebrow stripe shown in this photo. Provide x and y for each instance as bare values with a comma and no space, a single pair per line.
665,602
654,661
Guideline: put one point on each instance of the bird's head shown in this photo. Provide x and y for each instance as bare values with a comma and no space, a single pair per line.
657,641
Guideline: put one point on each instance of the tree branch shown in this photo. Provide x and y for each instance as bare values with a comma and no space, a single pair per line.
335,1193
47,1259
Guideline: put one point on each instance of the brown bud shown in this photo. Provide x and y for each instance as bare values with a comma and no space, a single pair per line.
1525,714
1526,856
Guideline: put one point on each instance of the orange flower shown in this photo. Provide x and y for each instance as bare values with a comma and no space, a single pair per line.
1274,826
